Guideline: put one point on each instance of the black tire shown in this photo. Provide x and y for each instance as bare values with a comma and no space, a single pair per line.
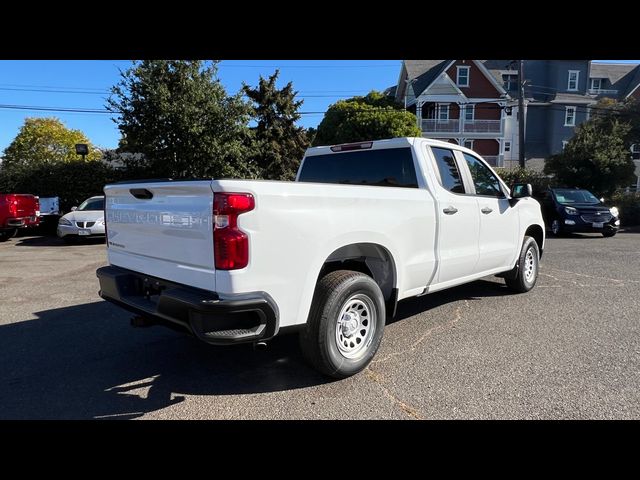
6,235
609,233
319,341
526,274
556,228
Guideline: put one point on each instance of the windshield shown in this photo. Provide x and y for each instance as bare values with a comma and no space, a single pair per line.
567,197
92,204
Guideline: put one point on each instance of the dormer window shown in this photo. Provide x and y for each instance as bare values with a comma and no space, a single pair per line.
462,79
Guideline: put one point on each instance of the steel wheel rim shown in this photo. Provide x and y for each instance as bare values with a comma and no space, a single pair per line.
355,326
529,266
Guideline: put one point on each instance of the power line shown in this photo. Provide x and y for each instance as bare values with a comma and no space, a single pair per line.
53,109
97,90
16,89
236,65
554,107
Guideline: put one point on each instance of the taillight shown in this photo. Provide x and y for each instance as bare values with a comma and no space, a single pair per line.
230,244
13,205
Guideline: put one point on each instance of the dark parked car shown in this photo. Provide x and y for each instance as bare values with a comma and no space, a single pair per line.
575,210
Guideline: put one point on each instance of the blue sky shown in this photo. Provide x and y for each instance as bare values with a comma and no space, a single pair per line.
82,84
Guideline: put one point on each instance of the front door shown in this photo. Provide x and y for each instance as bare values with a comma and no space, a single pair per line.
499,223
459,219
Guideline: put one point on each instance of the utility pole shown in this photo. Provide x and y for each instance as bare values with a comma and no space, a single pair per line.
521,113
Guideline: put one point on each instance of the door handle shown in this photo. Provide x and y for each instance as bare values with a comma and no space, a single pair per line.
486,210
450,210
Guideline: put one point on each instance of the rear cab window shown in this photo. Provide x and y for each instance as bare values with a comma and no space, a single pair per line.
388,167
448,171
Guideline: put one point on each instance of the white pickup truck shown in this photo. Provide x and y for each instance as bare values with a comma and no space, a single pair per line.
363,226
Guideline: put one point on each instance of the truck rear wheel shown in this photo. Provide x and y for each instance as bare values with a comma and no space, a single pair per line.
526,270
345,325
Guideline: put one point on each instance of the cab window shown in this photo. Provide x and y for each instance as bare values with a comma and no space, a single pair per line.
486,183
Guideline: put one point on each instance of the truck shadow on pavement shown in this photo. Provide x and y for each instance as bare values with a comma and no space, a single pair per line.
85,361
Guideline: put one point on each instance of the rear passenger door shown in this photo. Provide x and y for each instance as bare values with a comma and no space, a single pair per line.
499,222
458,218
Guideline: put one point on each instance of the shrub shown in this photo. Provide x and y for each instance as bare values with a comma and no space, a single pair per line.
538,180
72,182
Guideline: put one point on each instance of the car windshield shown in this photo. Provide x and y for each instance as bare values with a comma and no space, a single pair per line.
567,197
92,204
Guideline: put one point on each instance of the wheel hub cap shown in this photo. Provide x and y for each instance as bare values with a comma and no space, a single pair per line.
529,266
355,326
350,323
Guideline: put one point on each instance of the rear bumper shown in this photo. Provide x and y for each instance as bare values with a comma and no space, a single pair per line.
21,222
242,318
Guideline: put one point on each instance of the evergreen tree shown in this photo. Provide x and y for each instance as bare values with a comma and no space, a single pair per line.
279,143
177,114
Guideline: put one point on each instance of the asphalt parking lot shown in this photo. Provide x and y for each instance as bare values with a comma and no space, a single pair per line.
569,349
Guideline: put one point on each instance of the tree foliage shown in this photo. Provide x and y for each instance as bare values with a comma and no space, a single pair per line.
72,182
596,158
372,117
279,143
627,111
538,180
43,141
179,117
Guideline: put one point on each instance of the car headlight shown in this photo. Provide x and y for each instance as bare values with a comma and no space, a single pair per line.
100,221
614,211
64,221
570,211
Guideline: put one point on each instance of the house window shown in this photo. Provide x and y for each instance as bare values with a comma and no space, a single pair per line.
507,147
510,82
573,80
635,151
596,83
468,113
564,144
463,76
570,116
443,112
468,144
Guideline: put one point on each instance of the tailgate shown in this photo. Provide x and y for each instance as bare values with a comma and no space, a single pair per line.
27,206
163,230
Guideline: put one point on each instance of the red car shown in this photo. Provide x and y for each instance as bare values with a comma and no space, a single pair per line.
17,210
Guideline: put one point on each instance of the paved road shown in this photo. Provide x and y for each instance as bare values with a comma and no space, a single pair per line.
568,349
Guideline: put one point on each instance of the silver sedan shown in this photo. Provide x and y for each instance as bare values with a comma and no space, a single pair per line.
85,221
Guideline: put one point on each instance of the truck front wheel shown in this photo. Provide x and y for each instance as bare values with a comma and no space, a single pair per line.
345,325
525,274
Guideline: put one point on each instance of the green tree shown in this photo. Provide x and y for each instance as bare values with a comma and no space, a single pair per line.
596,158
627,111
43,141
179,117
372,117
279,143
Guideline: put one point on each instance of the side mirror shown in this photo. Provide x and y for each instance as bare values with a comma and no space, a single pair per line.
73,209
521,190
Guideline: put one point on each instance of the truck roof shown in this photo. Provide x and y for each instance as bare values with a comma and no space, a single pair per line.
386,143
